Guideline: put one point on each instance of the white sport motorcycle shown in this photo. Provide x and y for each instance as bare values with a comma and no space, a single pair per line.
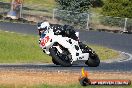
65,51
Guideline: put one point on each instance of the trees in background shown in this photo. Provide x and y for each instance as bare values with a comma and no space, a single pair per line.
74,5
76,11
78,5
118,8
114,8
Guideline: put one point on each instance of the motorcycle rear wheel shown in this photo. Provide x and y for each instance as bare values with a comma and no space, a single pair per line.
93,60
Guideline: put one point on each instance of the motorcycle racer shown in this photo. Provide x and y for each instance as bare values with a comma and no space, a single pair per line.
66,30
61,43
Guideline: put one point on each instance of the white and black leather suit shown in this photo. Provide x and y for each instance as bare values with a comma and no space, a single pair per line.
64,30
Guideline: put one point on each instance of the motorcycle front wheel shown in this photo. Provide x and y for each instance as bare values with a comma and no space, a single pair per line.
55,62
60,58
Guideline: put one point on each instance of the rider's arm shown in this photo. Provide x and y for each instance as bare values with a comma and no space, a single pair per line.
57,29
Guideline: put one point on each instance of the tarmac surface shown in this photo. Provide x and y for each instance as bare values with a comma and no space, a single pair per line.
120,42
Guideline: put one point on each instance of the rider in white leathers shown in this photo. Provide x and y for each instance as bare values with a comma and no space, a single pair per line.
63,45
65,30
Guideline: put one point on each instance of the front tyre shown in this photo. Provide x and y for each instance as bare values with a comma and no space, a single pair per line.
93,60
61,59
55,62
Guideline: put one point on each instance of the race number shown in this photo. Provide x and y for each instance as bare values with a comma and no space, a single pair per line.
44,41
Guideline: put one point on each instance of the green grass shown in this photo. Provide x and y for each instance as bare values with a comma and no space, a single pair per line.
66,86
18,48
38,4
96,10
104,52
79,86
38,7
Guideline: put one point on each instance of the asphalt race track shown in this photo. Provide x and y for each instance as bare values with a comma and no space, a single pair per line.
121,42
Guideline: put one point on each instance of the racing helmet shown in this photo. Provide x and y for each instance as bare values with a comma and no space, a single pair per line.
43,26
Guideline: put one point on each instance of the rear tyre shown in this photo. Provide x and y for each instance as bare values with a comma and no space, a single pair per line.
62,59
93,60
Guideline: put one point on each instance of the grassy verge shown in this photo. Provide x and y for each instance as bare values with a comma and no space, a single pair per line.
79,86
38,4
104,52
18,48
69,86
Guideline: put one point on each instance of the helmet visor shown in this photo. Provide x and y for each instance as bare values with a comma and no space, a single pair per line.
43,29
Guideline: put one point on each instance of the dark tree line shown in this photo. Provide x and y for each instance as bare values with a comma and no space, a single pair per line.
118,8
78,5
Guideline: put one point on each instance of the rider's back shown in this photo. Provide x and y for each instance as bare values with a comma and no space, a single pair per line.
65,30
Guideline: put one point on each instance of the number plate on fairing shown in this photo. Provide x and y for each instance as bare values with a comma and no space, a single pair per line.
44,41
